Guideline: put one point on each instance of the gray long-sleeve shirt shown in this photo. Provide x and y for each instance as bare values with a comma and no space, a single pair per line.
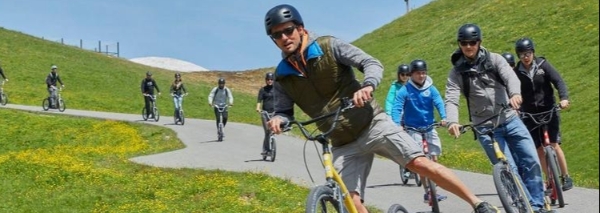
486,95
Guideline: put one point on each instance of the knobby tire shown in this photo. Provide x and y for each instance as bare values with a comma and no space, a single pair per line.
321,200
511,193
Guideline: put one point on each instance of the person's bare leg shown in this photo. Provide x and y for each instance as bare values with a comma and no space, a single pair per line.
542,156
443,177
560,155
358,203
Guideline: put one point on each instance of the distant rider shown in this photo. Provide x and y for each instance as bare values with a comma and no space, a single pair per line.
51,80
148,86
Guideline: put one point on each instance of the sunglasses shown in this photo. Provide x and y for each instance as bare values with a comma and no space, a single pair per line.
287,31
465,43
525,54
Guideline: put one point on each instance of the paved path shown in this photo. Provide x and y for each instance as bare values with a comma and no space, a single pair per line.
243,143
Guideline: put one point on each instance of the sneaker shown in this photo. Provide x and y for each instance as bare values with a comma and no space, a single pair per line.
263,153
485,207
439,197
542,210
406,174
548,190
567,183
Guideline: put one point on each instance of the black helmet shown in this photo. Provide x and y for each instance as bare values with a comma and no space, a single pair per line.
269,76
177,75
403,69
221,81
509,58
524,44
418,65
280,14
469,32
148,73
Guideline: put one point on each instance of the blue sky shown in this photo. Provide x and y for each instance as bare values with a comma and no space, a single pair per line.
215,34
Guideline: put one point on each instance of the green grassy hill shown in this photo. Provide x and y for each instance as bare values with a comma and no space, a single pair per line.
95,81
565,32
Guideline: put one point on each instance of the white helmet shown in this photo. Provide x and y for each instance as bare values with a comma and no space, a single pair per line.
53,67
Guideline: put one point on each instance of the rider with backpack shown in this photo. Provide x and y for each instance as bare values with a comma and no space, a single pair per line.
489,84
219,96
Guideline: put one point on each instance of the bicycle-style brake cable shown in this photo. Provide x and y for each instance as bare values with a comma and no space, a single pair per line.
544,118
304,157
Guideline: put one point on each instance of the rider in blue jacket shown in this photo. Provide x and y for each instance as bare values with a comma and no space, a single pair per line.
414,108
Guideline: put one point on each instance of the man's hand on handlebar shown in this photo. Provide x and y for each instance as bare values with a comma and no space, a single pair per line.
275,125
564,104
363,96
454,130
515,101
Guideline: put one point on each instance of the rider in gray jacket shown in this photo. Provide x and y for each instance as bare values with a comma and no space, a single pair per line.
492,85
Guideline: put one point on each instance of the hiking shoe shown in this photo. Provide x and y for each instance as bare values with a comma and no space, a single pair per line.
542,210
485,207
567,183
439,197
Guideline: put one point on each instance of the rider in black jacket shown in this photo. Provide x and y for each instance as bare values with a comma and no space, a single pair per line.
148,85
51,81
538,77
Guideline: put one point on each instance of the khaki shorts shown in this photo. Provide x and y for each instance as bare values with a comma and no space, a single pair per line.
353,161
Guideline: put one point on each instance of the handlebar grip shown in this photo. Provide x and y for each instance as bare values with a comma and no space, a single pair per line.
463,129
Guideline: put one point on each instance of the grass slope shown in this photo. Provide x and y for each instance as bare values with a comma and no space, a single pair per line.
566,32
